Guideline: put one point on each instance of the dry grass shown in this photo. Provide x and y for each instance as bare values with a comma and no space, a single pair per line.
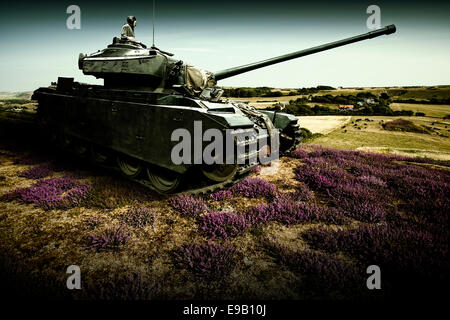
372,137
430,110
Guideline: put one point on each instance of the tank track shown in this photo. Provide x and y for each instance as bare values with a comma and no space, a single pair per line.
241,174
201,188
198,190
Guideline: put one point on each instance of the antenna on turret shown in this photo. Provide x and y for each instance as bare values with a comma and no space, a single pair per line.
153,22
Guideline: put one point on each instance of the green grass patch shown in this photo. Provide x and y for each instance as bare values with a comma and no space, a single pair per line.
404,125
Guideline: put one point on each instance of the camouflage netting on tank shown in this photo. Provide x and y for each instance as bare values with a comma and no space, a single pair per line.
199,79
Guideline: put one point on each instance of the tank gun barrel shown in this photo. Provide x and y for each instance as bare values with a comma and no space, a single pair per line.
223,74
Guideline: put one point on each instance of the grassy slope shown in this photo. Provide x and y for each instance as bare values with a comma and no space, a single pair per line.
372,136
430,110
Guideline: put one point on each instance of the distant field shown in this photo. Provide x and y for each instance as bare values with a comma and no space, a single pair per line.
430,110
268,101
425,93
372,137
15,95
439,92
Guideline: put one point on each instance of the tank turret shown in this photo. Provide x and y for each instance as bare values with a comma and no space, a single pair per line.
126,64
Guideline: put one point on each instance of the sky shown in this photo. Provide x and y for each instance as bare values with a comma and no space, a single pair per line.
37,46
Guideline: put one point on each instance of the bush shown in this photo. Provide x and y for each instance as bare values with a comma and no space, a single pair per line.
110,239
254,188
38,172
302,193
223,225
397,247
288,212
53,193
365,186
299,153
209,261
221,195
188,205
30,159
321,273
138,217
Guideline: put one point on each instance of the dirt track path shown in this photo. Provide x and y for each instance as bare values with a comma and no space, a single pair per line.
323,124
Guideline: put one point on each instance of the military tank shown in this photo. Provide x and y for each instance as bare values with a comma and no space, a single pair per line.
128,123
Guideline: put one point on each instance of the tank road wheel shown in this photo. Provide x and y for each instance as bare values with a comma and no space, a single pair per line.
165,181
128,166
219,172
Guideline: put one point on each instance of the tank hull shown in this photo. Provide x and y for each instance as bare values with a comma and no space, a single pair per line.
138,125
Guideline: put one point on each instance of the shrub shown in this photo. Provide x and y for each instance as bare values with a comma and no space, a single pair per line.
321,179
288,212
30,159
38,172
53,193
356,183
221,195
138,217
399,248
110,239
321,273
254,188
372,180
223,225
299,153
301,193
209,261
188,205
359,201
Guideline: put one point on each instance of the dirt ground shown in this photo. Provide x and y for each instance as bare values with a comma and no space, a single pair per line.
323,124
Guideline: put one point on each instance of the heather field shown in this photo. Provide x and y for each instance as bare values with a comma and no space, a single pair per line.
305,228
